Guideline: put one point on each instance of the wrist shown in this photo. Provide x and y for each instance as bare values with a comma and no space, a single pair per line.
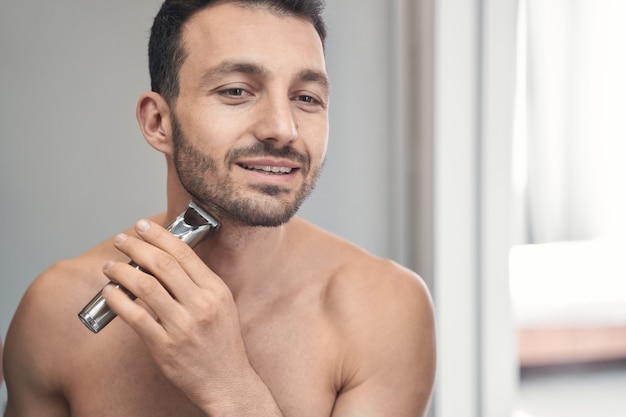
245,396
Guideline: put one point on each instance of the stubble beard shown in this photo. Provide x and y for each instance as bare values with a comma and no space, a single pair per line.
200,176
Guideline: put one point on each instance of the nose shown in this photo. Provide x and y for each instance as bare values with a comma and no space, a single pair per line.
275,121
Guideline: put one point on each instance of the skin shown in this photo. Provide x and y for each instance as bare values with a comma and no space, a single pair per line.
256,321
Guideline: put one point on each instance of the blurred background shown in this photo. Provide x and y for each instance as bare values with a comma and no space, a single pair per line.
479,143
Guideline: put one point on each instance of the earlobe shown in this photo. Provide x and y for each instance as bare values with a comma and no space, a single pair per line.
153,115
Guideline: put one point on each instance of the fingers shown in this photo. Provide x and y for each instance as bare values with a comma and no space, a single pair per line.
171,261
132,313
176,255
170,271
140,284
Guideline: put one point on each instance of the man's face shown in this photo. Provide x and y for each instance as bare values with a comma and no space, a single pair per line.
250,123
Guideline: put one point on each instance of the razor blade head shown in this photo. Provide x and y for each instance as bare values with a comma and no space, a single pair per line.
196,215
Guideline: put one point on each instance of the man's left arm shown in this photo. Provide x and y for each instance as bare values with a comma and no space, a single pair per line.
391,360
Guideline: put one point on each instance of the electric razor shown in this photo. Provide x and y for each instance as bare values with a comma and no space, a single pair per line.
191,226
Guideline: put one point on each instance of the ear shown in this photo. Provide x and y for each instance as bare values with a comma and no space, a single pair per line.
154,117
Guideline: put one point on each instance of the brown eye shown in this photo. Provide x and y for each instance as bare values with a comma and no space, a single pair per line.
234,92
307,99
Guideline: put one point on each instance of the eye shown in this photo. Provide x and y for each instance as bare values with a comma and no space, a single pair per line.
233,95
307,99
234,92
309,102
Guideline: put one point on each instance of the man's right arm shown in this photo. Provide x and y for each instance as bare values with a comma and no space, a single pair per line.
31,355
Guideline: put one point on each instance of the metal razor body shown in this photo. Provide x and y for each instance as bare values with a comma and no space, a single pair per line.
191,226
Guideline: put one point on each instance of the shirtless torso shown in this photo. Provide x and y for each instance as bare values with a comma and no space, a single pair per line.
346,321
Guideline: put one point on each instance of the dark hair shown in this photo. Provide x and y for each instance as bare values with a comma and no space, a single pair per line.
166,52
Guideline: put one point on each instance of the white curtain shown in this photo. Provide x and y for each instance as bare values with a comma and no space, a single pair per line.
573,131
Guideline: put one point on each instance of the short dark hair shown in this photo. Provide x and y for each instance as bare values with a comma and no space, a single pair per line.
166,52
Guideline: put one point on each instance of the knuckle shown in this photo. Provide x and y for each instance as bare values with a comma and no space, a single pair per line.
182,252
163,261
205,306
147,286
135,317
169,348
224,296
187,327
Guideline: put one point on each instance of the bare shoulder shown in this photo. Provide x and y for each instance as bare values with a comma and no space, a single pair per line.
39,342
360,282
45,334
376,297
57,295
51,303
383,314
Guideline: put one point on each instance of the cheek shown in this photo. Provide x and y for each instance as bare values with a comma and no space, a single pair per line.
320,150
213,133
318,142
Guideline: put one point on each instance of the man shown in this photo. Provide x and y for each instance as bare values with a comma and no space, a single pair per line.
269,316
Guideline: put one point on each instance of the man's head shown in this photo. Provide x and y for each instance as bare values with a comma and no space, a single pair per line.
166,51
245,127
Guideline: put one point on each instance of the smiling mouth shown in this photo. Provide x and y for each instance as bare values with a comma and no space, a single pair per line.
268,169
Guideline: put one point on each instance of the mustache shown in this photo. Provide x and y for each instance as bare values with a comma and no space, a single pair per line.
266,149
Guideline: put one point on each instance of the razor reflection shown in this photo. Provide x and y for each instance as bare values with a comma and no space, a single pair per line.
191,226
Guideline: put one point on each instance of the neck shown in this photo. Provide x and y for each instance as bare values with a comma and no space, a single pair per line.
244,257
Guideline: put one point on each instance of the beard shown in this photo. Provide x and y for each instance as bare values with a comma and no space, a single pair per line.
200,176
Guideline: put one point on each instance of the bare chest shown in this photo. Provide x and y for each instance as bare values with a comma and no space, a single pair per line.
295,357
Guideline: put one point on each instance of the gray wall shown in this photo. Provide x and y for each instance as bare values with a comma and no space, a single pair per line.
74,168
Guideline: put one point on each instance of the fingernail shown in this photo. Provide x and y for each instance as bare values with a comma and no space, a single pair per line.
120,238
143,225
108,265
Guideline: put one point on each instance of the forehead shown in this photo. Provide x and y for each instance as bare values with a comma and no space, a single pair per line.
230,31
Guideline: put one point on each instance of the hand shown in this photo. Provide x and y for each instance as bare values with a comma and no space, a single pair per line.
193,333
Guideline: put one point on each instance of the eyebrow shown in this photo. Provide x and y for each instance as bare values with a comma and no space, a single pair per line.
316,77
231,67
241,67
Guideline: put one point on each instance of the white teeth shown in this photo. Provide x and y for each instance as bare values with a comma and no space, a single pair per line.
267,168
